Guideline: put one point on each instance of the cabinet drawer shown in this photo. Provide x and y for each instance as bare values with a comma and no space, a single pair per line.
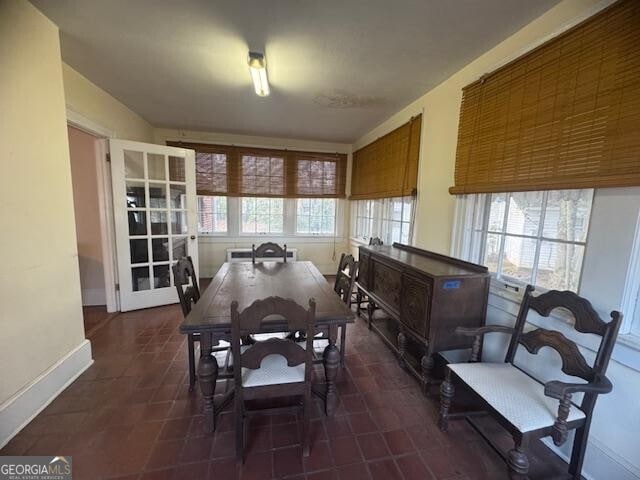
415,305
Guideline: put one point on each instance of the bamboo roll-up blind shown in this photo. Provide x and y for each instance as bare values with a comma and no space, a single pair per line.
260,172
565,115
388,167
317,175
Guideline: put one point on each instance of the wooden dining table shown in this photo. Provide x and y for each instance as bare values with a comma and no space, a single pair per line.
245,283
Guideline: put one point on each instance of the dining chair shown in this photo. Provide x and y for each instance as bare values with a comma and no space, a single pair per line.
186,284
269,250
361,297
343,286
275,368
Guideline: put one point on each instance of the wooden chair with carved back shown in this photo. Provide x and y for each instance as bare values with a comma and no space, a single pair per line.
269,250
343,286
186,284
361,298
273,368
529,409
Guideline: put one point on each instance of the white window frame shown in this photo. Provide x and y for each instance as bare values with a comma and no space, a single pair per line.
234,219
242,233
317,234
380,220
215,234
598,251
472,247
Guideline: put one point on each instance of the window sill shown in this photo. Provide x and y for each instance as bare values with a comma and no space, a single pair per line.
626,351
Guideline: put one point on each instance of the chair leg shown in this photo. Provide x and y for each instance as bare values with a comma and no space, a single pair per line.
305,426
192,362
239,432
447,392
579,448
343,344
518,461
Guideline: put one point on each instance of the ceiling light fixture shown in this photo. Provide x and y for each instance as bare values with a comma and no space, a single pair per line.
258,68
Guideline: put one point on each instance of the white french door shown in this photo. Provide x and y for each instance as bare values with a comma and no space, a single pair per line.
154,206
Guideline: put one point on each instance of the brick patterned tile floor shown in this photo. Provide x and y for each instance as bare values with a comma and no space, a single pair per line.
131,416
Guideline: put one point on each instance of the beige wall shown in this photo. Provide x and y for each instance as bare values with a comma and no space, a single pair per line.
84,177
93,103
41,315
441,109
212,251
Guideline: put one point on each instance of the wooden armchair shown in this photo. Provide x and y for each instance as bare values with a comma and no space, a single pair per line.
527,408
277,367
269,249
186,283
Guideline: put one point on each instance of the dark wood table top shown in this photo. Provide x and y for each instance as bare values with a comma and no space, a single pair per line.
246,282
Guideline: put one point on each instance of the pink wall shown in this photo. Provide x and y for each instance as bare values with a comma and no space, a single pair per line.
85,199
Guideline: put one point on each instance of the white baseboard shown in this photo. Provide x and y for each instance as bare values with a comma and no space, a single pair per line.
22,407
601,462
94,296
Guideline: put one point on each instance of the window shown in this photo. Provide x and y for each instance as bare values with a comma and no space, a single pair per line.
364,218
262,175
387,218
396,219
533,237
262,215
212,214
315,216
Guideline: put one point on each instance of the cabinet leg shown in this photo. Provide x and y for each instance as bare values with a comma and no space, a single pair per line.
402,349
426,365
370,309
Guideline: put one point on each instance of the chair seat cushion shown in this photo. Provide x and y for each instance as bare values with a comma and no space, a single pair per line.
273,370
516,396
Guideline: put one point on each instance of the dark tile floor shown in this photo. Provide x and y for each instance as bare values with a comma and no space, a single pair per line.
95,317
130,415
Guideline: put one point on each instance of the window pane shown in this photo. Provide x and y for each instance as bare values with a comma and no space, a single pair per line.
567,215
492,252
212,214
155,165
524,213
560,265
496,212
518,258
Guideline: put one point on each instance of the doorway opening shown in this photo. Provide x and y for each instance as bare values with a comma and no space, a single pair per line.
85,178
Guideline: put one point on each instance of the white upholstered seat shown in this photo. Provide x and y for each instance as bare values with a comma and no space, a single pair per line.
273,370
516,396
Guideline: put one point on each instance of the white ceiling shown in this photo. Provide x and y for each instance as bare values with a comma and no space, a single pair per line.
336,68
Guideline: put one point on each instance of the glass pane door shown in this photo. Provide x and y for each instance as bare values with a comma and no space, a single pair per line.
155,204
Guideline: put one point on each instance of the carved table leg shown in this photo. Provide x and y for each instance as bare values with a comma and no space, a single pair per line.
426,365
358,301
447,392
518,462
331,357
207,377
402,349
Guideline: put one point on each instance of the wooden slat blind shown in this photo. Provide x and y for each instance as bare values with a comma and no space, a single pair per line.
259,172
388,167
565,115
318,175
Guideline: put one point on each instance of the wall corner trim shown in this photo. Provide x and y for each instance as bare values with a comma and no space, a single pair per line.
21,408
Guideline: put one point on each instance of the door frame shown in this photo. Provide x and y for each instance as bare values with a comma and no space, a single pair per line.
105,202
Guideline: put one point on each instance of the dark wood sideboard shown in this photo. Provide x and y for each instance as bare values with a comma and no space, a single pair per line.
425,297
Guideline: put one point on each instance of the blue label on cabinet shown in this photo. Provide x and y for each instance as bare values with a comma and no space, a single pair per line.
451,284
